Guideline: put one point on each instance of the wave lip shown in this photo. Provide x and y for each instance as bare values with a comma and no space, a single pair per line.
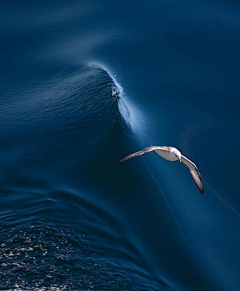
132,116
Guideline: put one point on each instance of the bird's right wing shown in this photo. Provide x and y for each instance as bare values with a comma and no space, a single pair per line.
194,173
142,152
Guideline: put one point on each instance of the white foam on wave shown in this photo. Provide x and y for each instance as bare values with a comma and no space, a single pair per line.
129,112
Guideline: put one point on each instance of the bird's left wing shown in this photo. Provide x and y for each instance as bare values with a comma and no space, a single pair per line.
194,173
142,152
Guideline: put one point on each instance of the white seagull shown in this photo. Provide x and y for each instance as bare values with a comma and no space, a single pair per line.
172,154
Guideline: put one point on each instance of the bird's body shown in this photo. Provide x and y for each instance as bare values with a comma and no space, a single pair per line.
172,154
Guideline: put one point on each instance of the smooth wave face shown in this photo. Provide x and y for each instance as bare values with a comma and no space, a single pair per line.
85,83
57,231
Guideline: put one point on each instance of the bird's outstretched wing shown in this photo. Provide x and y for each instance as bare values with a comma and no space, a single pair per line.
194,173
142,152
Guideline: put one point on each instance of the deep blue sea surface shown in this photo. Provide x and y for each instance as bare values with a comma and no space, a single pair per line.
85,83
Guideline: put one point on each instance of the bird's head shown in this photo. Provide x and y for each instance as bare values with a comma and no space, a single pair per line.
177,156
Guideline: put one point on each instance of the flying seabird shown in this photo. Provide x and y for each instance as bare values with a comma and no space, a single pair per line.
172,154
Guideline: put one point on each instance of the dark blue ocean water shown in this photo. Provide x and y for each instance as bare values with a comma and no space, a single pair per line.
84,83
